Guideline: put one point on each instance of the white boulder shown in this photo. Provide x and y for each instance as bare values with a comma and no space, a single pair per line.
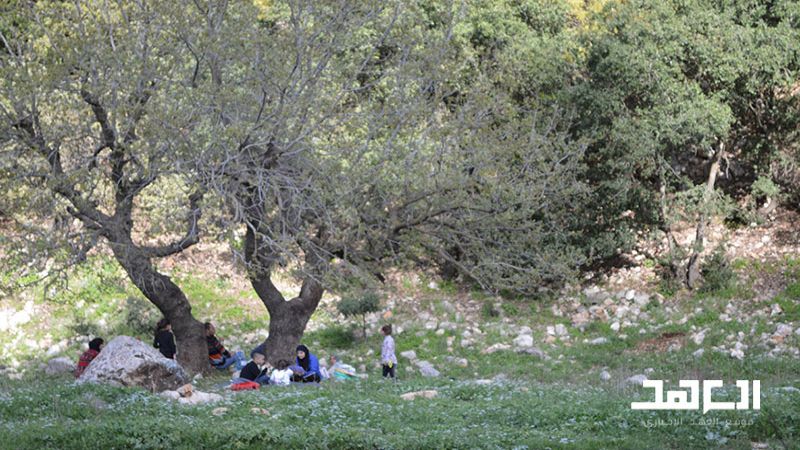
126,361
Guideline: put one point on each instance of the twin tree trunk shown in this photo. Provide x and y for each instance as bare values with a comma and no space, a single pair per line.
173,304
287,319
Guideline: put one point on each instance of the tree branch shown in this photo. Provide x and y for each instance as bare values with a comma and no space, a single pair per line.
83,210
191,237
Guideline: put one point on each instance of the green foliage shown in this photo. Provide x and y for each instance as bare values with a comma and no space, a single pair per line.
359,304
332,337
510,309
448,287
140,315
764,187
668,269
718,275
519,140
789,301
488,311
668,83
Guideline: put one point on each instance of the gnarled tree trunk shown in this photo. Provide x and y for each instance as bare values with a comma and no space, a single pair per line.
287,323
287,319
173,304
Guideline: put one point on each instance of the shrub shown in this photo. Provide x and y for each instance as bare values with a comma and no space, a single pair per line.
717,272
669,268
488,310
359,304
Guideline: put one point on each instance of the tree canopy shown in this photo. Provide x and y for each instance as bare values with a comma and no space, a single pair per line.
511,143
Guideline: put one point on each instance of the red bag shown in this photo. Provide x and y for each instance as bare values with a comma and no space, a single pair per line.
245,386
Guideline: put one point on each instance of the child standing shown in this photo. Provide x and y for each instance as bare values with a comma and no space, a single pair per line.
388,358
164,340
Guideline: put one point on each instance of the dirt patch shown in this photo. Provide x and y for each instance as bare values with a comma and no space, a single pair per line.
665,342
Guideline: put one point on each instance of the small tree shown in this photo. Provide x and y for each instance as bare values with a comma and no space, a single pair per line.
359,305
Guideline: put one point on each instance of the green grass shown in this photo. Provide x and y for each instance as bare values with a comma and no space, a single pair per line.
789,301
369,414
556,402
334,337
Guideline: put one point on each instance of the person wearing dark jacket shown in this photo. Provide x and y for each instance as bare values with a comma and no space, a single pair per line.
256,370
164,340
309,365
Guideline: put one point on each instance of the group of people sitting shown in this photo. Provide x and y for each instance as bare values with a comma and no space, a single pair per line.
218,355
306,367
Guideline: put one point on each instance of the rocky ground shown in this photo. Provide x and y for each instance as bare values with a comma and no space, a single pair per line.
579,354
621,308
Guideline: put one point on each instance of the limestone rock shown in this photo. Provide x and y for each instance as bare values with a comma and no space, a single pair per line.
126,361
641,300
495,348
419,394
781,333
580,318
199,398
426,369
523,341
58,366
738,351
533,351
636,379
461,362
409,354
699,336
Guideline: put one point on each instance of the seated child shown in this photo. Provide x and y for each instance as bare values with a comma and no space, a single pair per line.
256,370
282,375
341,371
95,345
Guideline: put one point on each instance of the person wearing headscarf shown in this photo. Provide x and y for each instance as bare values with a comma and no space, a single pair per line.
308,370
261,348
